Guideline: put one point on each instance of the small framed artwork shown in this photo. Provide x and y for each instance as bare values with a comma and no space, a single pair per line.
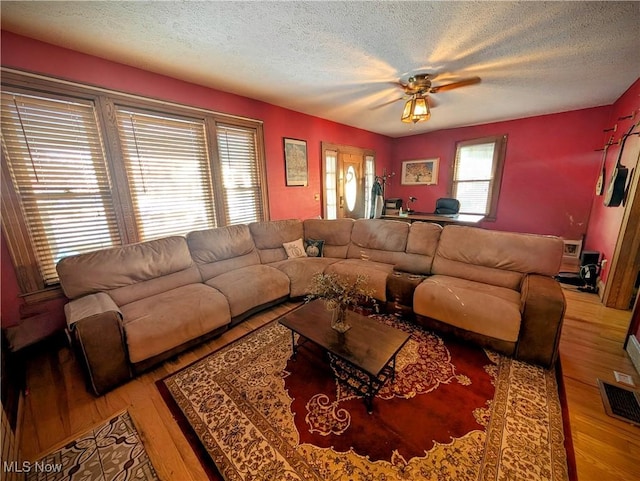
572,248
295,162
420,172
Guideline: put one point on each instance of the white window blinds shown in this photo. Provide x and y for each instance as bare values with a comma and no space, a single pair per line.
55,157
168,170
473,178
85,169
240,174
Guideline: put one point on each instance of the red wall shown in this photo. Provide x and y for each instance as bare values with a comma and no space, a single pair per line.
549,177
605,222
549,174
284,202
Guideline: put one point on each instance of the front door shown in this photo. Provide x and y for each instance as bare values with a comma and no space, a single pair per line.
351,193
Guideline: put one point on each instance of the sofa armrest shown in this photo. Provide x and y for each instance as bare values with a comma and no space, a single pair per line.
88,306
95,325
543,307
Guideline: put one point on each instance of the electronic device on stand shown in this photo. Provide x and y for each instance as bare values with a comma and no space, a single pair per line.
589,274
392,206
586,279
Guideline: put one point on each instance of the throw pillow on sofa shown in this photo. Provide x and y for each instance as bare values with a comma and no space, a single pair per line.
294,249
314,247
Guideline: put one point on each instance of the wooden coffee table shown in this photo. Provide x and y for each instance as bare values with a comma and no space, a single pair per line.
364,357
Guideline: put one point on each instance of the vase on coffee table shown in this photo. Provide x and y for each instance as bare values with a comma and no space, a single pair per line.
339,319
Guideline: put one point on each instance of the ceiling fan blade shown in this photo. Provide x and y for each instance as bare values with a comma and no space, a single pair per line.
386,103
455,85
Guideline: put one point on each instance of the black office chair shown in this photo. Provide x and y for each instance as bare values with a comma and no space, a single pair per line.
447,206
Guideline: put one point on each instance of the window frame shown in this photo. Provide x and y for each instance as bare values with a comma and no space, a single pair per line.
216,170
62,184
209,186
497,168
106,101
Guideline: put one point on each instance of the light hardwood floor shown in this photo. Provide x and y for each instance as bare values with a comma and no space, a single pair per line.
59,407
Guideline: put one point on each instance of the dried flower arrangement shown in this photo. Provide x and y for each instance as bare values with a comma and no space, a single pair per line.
340,293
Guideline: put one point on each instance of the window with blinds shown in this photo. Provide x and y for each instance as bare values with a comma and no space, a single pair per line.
55,157
85,169
476,175
241,179
168,171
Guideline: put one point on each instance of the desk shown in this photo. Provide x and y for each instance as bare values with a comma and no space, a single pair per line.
460,219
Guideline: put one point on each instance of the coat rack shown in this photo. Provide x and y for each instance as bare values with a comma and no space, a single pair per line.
383,180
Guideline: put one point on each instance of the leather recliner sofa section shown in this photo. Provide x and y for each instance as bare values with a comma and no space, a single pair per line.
134,306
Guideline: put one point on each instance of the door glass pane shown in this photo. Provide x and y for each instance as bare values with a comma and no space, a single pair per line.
369,177
351,188
331,194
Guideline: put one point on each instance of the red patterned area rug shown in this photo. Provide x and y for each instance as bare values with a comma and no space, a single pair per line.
454,412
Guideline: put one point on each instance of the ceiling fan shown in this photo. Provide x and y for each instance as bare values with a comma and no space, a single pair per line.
417,87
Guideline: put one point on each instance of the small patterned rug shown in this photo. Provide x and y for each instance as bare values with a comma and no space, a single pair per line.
454,412
112,451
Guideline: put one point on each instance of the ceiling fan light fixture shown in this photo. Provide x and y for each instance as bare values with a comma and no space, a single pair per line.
416,110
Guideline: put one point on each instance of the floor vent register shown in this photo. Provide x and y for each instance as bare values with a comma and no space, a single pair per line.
621,403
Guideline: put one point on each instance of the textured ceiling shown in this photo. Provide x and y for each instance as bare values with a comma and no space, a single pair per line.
337,60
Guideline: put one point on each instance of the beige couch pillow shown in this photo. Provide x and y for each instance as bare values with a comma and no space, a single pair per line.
294,249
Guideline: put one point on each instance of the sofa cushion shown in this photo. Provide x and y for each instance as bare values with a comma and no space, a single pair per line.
494,257
161,322
377,273
251,287
335,233
421,247
157,285
222,249
301,270
380,234
269,237
474,306
423,238
220,243
116,267
379,241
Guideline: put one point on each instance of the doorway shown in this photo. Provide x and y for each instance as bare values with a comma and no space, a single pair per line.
347,175
619,291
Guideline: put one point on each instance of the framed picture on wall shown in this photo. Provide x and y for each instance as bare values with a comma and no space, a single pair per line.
420,172
295,162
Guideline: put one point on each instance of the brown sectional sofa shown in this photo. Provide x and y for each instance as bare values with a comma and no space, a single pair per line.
133,306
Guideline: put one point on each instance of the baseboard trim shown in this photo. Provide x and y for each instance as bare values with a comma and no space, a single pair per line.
633,349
